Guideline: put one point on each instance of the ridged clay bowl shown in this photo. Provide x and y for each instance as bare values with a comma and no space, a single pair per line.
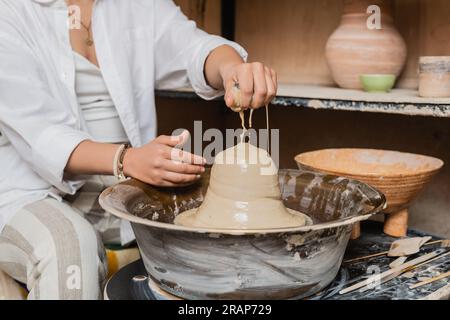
284,263
400,176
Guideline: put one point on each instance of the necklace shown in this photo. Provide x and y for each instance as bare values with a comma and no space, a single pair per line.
89,41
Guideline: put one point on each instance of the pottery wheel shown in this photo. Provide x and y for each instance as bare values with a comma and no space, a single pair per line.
122,286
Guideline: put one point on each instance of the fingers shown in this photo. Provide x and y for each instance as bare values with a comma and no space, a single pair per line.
177,179
257,86
168,150
179,155
270,78
168,184
183,156
174,141
171,141
260,85
274,75
245,80
231,99
175,174
184,168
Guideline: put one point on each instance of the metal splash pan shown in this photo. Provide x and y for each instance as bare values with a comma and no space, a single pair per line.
281,263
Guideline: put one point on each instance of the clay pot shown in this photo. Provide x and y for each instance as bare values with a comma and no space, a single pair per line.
434,77
400,176
353,49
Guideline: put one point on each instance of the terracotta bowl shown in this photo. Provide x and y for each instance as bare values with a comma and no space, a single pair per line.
285,263
400,176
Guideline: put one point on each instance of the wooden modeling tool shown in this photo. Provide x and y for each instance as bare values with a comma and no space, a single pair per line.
444,244
391,272
422,283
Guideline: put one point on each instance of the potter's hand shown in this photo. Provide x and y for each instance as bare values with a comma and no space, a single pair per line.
161,164
224,67
257,85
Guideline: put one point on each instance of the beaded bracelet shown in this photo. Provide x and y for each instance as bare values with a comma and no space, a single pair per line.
118,162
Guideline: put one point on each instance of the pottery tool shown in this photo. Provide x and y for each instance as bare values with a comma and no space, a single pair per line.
397,262
407,270
440,277
409,275
426,262
380,281
407,246
444,244
389,273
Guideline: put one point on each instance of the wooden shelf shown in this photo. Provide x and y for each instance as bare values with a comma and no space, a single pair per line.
399,101
292,40
293,37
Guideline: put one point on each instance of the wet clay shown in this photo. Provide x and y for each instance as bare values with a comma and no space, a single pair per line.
243,193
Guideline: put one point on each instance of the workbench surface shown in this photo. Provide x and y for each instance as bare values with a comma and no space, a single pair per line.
373,241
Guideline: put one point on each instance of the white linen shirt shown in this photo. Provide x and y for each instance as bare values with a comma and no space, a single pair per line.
142,45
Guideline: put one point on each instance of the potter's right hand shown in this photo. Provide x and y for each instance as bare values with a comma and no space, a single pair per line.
159,163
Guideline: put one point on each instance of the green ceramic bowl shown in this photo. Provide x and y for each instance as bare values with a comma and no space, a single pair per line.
378,82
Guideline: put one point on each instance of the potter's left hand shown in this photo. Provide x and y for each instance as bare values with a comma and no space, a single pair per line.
257,83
